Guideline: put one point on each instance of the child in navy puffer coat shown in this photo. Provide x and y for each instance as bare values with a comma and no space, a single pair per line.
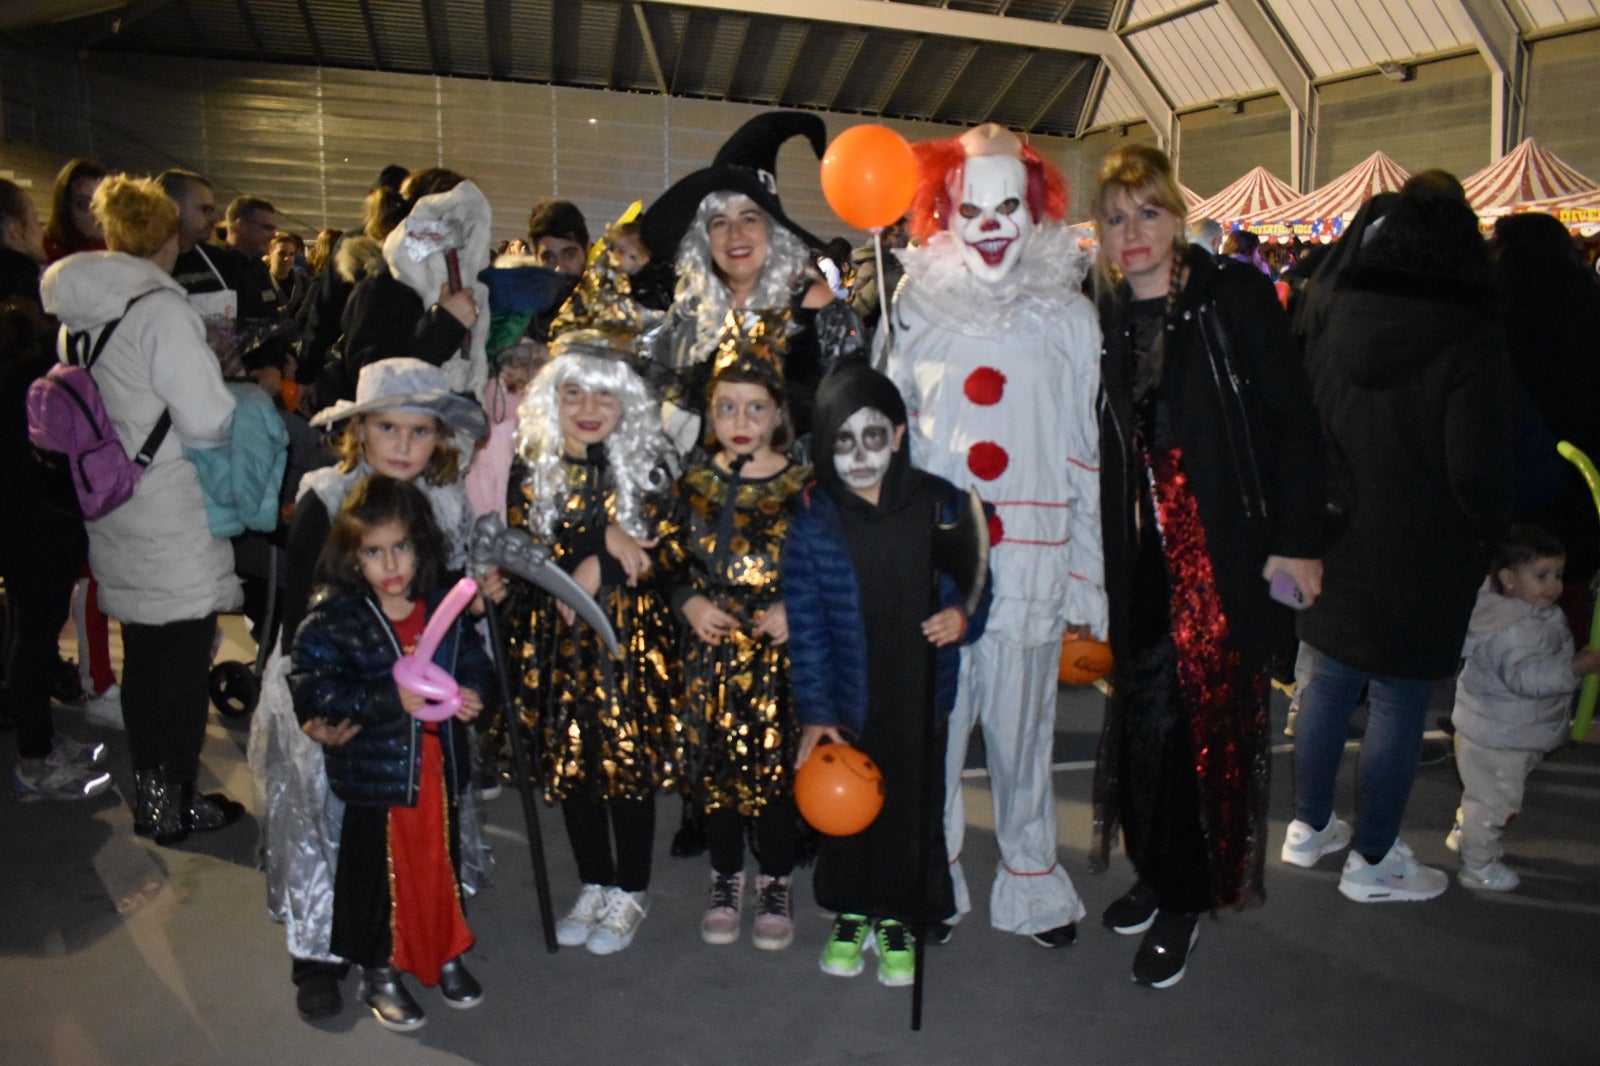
397,894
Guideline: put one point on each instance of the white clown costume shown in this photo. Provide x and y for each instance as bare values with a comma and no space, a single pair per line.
996,353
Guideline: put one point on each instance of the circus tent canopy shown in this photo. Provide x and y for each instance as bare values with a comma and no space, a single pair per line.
1190,197
1257,191
1527,173
1320,215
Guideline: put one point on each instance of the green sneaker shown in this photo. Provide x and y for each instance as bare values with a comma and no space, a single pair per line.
841,955
897,961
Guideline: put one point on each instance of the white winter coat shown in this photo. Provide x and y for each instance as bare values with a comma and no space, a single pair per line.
154,557
1515,690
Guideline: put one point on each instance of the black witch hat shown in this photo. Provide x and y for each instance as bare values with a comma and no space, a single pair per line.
746,164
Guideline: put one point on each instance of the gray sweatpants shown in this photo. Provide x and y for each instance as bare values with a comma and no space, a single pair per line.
1492,780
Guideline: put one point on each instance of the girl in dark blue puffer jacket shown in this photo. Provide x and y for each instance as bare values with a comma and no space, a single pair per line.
397,897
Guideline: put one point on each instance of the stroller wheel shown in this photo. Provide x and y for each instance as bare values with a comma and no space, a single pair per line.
234,689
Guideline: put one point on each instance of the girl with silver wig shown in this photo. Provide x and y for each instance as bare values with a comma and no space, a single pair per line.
638,454
593,481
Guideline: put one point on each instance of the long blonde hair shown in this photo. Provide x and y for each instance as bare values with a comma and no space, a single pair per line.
1145,173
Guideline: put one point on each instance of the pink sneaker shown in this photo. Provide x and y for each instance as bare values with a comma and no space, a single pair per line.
774,914
721,923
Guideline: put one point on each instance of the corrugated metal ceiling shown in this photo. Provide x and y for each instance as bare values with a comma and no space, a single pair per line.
747,51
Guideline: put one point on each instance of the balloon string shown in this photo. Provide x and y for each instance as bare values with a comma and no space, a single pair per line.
883,293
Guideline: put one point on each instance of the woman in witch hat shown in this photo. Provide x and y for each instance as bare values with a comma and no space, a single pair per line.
736,250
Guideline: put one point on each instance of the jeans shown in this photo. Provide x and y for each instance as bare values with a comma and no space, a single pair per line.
1396,711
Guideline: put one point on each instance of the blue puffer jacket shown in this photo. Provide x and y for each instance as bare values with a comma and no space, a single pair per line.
827,637
343,654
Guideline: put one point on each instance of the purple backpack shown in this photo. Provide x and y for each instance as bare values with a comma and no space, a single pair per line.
87,473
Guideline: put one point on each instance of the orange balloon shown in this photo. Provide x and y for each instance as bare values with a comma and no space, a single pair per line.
869,175
1084,660
838,790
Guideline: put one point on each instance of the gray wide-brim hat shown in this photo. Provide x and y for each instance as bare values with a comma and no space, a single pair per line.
410,385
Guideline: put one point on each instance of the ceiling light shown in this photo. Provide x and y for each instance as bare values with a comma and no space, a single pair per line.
1396,71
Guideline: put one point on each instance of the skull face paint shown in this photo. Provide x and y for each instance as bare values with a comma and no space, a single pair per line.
862,449
991,222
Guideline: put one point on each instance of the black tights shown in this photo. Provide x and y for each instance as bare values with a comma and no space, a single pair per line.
591,825
776,834
165,695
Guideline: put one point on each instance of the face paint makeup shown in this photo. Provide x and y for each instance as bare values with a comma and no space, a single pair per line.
863,447
991,223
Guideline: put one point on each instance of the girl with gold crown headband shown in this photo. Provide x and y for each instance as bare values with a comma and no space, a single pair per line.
592,480
739,729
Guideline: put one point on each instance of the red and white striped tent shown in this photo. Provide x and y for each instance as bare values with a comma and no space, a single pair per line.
1259,190
1190,197
1528,173
1320,215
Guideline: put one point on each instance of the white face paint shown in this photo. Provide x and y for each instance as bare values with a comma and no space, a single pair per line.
991,222
862,449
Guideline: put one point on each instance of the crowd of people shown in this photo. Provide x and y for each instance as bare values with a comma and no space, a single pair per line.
779,528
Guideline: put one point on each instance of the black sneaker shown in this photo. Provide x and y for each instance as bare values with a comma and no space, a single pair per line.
1164,951
316,994
460,989
1062,936
1133,912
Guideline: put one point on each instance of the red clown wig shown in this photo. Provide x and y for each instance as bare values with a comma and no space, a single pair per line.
941,167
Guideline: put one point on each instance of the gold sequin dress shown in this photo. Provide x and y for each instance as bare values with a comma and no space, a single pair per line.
603,728
739,730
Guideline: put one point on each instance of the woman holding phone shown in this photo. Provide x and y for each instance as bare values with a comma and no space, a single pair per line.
1211,489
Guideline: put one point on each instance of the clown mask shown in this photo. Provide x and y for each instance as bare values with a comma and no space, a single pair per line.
862,449
991,222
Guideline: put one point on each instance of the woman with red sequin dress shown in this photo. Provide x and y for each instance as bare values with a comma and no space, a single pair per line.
1211,482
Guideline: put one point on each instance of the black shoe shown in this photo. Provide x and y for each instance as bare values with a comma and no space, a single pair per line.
158,810
460,988
1164,951
940,933
1133,912
391,1002
1062,936
690,839
205,811
317,991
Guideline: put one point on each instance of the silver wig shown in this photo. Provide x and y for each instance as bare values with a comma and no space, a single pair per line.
787,264
637,452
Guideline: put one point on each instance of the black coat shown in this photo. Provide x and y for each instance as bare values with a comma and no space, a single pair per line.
343,654
1412,383
385,318
1256,447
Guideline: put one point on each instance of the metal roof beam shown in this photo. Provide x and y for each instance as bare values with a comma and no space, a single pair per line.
1501,41
1055,97
1254,25
497,30
252,29
372,35
972,27
438,29
650,52
311,31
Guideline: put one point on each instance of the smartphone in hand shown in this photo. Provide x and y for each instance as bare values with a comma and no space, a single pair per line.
1282,588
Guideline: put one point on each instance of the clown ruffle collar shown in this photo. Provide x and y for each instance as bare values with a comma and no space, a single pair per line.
943,291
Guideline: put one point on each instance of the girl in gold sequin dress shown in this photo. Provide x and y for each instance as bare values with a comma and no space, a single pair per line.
593,481
739,729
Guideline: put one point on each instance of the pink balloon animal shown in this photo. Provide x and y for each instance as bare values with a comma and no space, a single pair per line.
418,672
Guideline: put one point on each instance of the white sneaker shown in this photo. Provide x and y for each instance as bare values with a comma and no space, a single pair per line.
1397,878
624,911
1494,876
573,930
106,708
57,781
1452,839
1303,845
63,749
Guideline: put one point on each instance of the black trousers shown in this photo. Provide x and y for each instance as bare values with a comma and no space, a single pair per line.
777,831
165,697
591,826
39,582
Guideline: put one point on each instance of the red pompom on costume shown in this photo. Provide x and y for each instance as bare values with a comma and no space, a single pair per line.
985,386
987,460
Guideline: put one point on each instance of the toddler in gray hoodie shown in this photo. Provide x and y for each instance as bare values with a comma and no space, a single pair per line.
1513,697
